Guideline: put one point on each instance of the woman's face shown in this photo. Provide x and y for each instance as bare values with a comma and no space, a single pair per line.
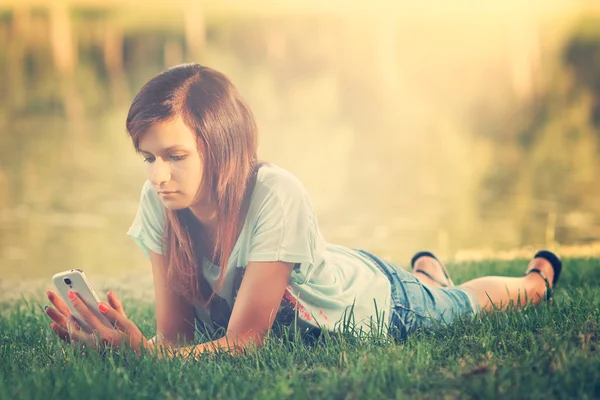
174,165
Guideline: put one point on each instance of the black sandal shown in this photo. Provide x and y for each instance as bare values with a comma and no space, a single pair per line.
556,264
428,254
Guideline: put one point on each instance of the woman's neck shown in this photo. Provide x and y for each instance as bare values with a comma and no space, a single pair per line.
208,231
207,216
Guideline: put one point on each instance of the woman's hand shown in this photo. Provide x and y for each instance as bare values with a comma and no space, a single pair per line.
62,313
67,328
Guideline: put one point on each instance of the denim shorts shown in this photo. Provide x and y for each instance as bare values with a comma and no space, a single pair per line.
415,305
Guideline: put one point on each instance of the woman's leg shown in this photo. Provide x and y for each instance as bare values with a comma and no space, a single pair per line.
432,267
495,292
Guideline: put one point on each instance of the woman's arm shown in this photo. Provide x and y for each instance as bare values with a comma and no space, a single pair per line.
174,314
255,308
253,314
174,317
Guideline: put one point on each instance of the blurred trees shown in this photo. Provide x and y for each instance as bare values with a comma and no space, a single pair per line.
546,174
405,134
582,58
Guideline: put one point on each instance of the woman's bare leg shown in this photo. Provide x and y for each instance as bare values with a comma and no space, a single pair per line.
432,267
499,292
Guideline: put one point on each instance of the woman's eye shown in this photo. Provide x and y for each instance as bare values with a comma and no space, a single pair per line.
177,158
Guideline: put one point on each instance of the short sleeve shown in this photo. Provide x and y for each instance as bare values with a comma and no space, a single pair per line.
148,225
285,228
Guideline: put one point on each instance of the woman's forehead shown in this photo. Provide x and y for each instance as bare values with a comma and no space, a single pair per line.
166,135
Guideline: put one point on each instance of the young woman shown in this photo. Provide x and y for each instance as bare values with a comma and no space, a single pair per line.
235,244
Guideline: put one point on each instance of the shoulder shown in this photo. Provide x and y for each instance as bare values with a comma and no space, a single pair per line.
279,195
275,184
149,200
148,193
274,179
147,227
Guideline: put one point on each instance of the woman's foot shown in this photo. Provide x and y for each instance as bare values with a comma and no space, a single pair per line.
429,270
544,269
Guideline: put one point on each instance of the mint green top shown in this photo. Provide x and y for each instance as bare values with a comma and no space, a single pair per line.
281,225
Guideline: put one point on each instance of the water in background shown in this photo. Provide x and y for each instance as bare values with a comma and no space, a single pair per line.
412,132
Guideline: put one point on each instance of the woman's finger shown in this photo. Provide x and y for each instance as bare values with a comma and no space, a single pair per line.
59,303
119,320
72,324
59,319
55,316
115,302
129,330
77,335
61,332
84,312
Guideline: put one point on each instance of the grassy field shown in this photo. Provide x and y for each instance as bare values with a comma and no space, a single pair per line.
545,352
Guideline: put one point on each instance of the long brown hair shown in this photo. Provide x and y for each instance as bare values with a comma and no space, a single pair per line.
226,136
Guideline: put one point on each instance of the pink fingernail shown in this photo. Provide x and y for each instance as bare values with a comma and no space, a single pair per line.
71,295
103,307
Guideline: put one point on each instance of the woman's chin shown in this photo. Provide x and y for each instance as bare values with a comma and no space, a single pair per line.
174,205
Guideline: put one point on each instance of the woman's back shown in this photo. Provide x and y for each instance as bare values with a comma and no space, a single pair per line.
281,225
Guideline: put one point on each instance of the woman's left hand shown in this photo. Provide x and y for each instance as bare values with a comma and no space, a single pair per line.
124,331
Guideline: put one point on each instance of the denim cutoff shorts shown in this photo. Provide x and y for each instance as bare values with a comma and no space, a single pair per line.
416,305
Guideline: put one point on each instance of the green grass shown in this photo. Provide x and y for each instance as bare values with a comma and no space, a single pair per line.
544,352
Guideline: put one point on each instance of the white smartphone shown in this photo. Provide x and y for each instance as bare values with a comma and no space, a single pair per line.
75,279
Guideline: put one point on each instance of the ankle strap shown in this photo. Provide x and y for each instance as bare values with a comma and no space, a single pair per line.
442,284
543,275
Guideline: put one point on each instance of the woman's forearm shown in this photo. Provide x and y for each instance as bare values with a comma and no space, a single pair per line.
224,344
161,340
155,340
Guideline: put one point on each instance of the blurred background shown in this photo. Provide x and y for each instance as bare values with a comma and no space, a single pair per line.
465,127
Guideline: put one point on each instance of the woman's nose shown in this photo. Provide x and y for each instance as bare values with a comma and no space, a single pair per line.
160,172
